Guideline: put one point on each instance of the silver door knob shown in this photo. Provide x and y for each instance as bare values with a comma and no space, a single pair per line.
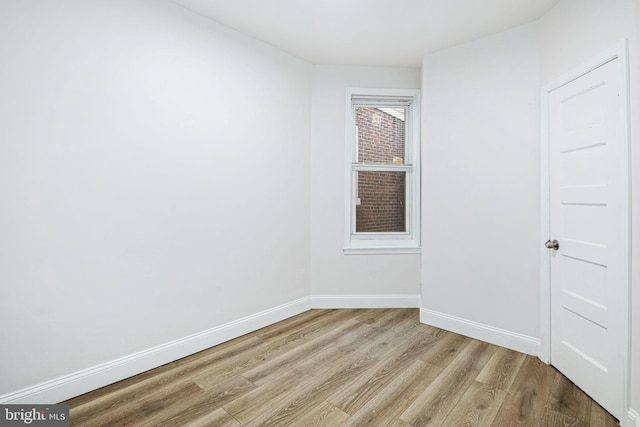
552,244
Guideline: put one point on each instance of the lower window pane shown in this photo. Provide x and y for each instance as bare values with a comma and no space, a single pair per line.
380,203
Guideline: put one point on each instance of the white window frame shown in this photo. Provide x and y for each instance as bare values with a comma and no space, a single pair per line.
383,243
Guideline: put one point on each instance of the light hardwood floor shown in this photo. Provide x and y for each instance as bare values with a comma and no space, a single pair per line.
345,367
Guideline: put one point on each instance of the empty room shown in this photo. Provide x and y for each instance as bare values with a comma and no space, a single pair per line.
286,212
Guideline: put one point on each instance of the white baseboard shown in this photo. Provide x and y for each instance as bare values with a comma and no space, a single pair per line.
480,331
80,382
633,419
366,301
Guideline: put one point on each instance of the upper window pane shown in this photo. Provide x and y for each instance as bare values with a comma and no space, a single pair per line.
381,135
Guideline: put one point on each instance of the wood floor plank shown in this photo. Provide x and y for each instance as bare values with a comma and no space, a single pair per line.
317,392
218,418
129,392
353,397
445,349
319,368
389,338
220,352
264,358
568,399
373,316
288,360
478,406
135,411
197,406
525,404
385,407
502,369
142,380
295,323
334,353
553,418
272,394
354,367
325,415
601,418
287,338
391,327
437,400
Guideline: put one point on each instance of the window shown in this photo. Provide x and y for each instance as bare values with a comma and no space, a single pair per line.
382,169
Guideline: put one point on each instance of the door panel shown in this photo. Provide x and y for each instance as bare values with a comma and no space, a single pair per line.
587,279
587,271
584,167
582,221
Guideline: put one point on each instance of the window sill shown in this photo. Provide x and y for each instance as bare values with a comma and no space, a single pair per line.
381,251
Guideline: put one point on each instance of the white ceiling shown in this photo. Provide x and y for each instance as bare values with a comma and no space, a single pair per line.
368,32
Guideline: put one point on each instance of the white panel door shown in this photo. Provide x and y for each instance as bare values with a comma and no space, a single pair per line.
588,211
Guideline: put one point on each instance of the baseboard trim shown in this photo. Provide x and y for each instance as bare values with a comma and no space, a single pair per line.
366,301
80,382
633,418
480,331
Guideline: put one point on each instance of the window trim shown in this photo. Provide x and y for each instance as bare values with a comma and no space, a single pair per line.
383,243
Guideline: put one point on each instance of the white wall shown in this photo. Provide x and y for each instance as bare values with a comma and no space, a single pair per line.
480,181
154,181
573,32
576,30
332,272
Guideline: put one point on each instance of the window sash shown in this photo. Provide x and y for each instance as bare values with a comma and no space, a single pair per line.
358,101
369,235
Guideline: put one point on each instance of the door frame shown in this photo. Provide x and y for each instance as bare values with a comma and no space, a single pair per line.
618,51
